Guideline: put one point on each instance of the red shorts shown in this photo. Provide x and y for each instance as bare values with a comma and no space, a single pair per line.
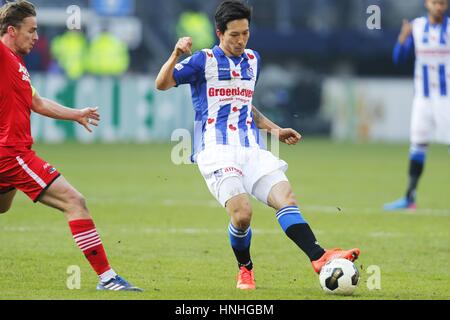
22,169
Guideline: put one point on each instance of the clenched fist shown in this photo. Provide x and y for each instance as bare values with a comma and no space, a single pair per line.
183,46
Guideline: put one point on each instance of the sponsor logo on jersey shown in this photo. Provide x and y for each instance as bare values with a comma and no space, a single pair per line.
218,174
229,92
24,71
233,170
50,169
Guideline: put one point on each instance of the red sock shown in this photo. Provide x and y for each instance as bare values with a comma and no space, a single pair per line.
89,242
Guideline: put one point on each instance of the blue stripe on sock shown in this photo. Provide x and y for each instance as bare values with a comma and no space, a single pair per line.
418,155
240,240
281,211
290,216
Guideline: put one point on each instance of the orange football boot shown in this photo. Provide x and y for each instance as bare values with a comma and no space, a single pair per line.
246,279
337,253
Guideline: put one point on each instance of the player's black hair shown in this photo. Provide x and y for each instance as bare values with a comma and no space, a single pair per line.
230,10
13,14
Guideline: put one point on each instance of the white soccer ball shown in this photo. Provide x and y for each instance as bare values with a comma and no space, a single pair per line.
339,276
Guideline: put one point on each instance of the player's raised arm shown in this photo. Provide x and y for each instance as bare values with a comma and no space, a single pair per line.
405,44
165,79
52,109
405,32
285,135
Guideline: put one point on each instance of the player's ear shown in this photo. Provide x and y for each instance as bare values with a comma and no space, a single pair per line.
11,30
218,33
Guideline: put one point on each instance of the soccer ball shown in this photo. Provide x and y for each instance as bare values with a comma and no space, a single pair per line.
339,276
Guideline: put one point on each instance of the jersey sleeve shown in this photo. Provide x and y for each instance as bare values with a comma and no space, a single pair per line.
190,69
403,51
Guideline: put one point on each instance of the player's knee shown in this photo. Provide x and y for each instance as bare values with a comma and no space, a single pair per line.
242,217
283,199
290,199
76,201
281,195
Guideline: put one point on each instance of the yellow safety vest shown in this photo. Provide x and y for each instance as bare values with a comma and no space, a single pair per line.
107,56
197,26
70,51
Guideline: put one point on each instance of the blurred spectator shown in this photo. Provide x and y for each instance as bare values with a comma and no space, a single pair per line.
69,50
107,55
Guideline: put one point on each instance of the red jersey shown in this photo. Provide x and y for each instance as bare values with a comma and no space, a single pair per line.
15,100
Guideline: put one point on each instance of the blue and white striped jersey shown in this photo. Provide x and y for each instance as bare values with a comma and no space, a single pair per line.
222,92
432,50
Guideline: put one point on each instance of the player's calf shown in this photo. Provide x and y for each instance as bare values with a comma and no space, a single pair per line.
4,207
291,220
4,210
62,196
240,235
6,200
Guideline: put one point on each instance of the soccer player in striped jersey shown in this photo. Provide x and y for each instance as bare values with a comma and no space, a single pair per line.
227,145
429,37
20,168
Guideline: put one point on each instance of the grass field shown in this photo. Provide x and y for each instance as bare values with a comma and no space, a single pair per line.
164,232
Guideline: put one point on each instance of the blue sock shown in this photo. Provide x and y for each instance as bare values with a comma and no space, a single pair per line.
240,242
298,230
417,158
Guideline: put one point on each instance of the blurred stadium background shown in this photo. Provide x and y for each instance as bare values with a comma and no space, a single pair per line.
323,69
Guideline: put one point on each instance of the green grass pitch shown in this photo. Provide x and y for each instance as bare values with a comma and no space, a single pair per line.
164,232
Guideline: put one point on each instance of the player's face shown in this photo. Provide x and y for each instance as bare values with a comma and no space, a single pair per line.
25,35
437,8
234,40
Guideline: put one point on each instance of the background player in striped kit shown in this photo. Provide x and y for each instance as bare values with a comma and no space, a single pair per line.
431,107
20,167
227,147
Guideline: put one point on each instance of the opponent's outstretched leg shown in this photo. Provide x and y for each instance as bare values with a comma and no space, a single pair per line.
62,196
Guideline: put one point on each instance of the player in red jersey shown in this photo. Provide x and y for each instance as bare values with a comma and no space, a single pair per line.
20,168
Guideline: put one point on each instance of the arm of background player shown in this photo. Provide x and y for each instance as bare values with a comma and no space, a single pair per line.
405,44
51,109
165,79
286,135
403,51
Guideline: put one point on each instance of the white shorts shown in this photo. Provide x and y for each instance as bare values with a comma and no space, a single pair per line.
430,120
246,167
